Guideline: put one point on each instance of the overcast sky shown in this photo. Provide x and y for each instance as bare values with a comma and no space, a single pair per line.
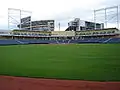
60,10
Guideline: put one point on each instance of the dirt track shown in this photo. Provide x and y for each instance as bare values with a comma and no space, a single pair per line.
19,83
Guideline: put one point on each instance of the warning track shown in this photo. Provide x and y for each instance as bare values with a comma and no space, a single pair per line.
22,83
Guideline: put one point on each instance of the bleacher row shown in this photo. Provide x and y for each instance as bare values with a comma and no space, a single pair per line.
37,41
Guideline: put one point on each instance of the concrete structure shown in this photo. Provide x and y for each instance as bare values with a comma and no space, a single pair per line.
41,25
79,25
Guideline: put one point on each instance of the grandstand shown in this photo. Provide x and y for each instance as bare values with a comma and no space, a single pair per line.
109,35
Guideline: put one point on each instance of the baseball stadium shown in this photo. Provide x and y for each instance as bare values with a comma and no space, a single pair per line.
85,56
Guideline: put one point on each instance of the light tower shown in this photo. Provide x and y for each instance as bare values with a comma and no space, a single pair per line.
15,18
109,16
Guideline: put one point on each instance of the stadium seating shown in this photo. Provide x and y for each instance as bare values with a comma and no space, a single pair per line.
34,41
97,40
37,41
8,42
114,40
62,41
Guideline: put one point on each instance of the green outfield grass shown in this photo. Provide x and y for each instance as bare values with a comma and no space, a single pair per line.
76,61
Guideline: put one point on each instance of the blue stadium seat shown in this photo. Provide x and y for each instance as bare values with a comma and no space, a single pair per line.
37,41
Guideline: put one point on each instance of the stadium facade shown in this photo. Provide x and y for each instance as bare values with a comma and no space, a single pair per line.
41,25
48,25
79,25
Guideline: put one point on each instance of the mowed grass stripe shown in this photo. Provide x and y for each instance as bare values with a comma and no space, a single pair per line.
76,61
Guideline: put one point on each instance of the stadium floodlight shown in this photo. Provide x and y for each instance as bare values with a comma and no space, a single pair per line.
109,16
59,25
18,17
